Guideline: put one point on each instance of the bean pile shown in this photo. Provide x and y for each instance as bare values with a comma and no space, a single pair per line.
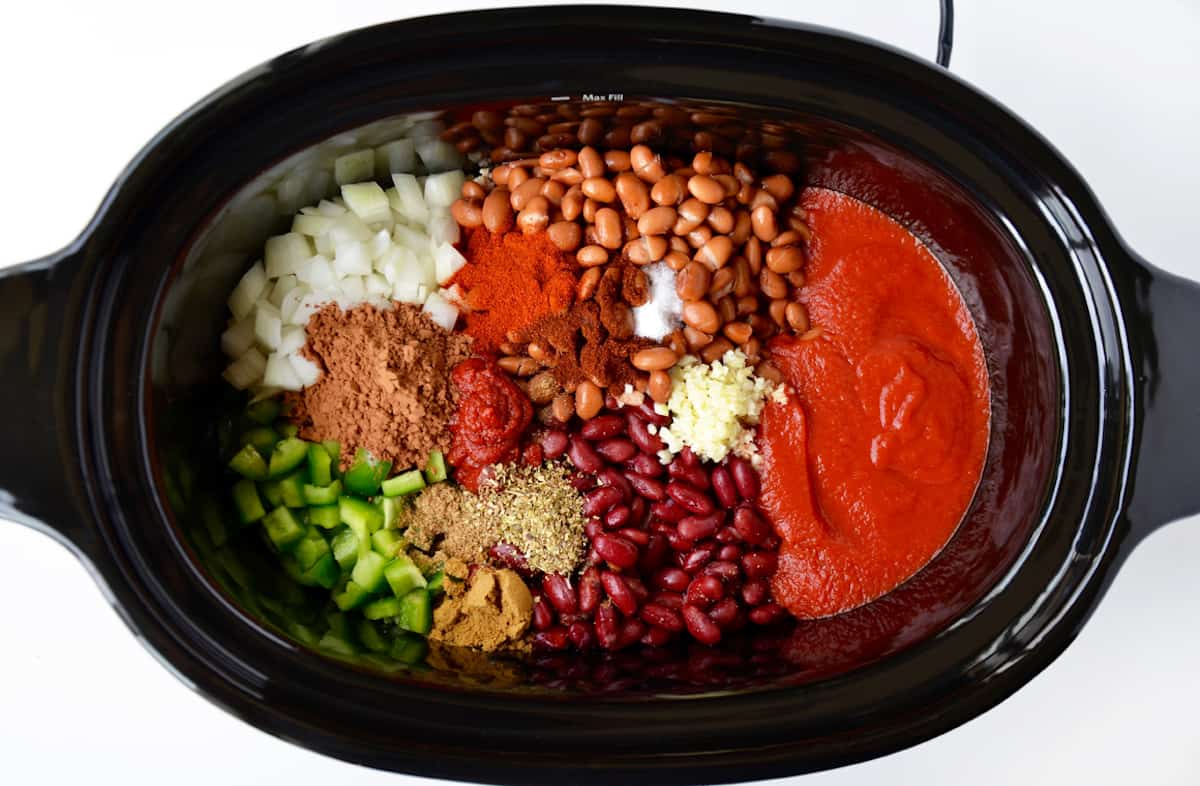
685,552
734,240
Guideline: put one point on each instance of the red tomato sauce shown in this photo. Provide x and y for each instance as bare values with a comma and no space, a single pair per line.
872,463
487,425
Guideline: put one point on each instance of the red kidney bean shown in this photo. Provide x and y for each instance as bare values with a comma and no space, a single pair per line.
668,510
631,631
689,457
582,482
754,592
700,626
599,500
671,600
648,413
653,554
750,526
637,511
727,534
662,617
723,487
637,587
508,556
592,527
678,541
602,427
698,557
672,579
608,630
560,594
611,403
657,637
689,497
552,639
730,552
767,614
700,527
645,464
689,473
759,564
616,551
589,590
554,443
580,634
543,617
706,587
616,449
638,537
724,613
616,517
650,488
610,476
725,570
744,477
584,456
618,592
649,443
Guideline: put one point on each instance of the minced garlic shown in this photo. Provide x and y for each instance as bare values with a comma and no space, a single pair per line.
714,406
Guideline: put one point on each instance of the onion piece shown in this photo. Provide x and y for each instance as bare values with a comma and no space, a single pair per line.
441,312
367,201
447,261
292,339
352,259
443,189
398,156
268,325
307,372
410,201
248,290
317,272
438,156
238,337
284,253
354,167
279,373
442,228
246,370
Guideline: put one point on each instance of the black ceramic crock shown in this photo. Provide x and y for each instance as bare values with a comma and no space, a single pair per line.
1096,396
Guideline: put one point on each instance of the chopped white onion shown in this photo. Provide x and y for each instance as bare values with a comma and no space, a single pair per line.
438,156
398,156
353,287
441,312
292,339
378,285
248,290
312,225
291,301
238,337
317,272
246,370
353,259
442,228
284,253
279,373
443,189
306,371
380,243
331,209
427,128
412,239
310,304
408,292
268,325
354,167
410,201
447,261
367,201
324,244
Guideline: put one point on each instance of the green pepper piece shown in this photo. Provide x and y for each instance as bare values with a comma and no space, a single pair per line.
437,582
302,633
264,411
324,516
382,608
246,500
291,489
339,624
350,596
387,542
287,455
282,528
324,572
320,465
322,495
345,549
271,492
368,571
416,612
368,634
404,483
335,644
310,549
365,474
403,576
288,429
409,649
390,507
248,463
262,438
362,517
435,468
334,449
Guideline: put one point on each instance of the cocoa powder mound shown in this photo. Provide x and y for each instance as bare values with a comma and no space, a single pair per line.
385,382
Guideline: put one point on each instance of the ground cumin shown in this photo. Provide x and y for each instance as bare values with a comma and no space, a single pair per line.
385,382
492,609
436,519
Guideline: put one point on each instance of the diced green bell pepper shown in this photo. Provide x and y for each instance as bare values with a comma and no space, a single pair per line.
368,634
382,608
264,411
368,571
247,502
403,576
320,465
288,429
365,474
345,548
322,495
335,644
350,596
214,520
390,507
416,612
363,518
287,455
302,633
324,516
291,489
271,492
310,549
334,449
338,623
248,463
435,468
437,582
282,528
409,649
324,572
387,542
262,438
404,483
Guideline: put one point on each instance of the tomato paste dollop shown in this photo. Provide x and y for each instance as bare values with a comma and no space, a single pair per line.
487,425
873,461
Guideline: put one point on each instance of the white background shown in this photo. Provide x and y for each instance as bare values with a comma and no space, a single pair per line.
1116,86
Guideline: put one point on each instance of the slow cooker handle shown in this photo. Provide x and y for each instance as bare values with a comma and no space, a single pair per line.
1166,341
39,486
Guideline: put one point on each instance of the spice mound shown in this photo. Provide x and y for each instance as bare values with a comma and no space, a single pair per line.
536,510
385,384
436,520
492,609
512,280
